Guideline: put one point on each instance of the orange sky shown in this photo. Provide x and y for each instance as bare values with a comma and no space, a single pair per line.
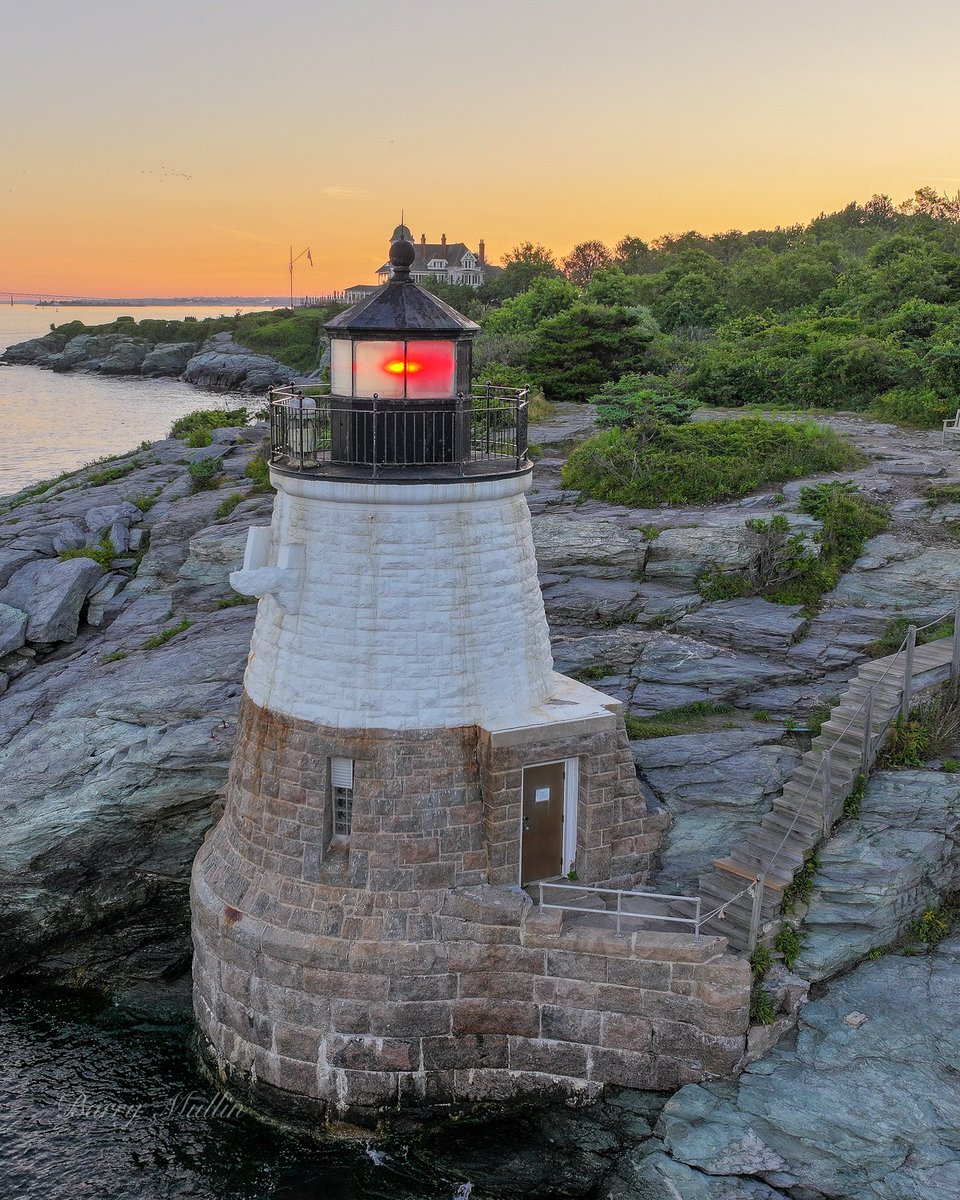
182,153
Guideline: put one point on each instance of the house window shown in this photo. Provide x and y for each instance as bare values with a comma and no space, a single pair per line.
341,787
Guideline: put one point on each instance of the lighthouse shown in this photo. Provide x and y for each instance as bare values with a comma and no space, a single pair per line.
368,923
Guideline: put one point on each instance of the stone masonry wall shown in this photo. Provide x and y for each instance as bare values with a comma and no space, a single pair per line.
617,839
335,983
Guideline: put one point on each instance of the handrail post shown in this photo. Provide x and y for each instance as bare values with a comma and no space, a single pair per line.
696,917
619,908
759,884
908,672
300,420
955,662
866,754
373,435
827,785
541,894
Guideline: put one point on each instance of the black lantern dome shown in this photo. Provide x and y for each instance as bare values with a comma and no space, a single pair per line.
401,402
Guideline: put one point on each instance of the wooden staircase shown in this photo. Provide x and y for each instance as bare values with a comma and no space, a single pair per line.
812,799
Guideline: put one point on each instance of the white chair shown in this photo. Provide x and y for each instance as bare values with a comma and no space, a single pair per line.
951,425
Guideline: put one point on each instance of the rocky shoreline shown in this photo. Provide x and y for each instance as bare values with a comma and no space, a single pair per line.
218,363
120,678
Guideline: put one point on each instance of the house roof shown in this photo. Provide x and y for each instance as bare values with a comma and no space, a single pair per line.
453,253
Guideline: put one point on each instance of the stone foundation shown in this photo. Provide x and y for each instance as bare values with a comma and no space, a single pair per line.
405,965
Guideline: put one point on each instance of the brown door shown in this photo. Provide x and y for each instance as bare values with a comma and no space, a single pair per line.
541,842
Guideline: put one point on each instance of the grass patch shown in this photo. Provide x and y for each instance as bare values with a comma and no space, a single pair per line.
234,601
109,658
703,462
932,926
112,474
799,891
787,943
539,407
852,804
593,673
674,721
161,639
895,630
146,502
228,504
104,554
942,493
762,1009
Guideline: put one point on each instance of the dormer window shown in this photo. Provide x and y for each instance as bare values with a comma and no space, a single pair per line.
437,264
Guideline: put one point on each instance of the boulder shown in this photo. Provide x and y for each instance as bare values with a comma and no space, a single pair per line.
13,629
224,366
716,786
879,872
214,553
167,359
675,659
602,543
100,518
68,535
13,560
52,595
864,1111
897,573
751,622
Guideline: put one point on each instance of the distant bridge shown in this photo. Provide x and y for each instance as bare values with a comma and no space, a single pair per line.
47,297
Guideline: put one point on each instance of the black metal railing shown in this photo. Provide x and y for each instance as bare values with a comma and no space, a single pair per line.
485,433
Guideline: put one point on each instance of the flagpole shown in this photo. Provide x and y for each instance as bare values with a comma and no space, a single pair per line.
292,261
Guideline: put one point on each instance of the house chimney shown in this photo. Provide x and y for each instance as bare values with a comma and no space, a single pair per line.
443,239
483,254
423,239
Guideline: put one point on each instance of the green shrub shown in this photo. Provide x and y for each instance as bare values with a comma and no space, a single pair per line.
258,469
714,584
116,656
907,744
640,402
931,927
205,474
787,943
104,554
800,889
195,428
702,462
762,1009
915,406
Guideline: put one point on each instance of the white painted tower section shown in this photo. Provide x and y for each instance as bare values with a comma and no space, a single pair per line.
398,606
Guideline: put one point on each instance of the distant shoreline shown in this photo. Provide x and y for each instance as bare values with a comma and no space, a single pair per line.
164,302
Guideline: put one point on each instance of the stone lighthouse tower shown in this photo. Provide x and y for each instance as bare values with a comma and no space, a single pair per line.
407,761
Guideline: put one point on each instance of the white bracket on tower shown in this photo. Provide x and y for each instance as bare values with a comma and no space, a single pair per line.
258,577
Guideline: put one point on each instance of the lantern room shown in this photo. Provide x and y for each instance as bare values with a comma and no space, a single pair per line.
401,391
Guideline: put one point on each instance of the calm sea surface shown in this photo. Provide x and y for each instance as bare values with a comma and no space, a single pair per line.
51,423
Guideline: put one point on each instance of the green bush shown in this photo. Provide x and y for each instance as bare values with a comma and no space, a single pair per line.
762,1009
104,554
258,469
195,428
205,474
227,505
703,462
640,402
920,407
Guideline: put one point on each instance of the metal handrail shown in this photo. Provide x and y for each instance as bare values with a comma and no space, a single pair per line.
311,433
906,647
619,912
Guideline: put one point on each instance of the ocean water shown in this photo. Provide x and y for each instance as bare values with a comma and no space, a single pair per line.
51,423
104,1102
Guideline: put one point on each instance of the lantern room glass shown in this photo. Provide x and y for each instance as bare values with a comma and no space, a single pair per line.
393,370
